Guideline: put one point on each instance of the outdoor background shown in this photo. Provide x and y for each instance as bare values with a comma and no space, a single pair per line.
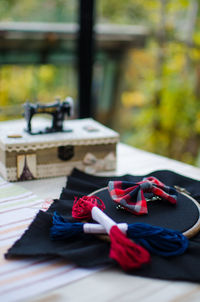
158,106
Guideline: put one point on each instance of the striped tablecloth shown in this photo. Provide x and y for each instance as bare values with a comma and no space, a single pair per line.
25,278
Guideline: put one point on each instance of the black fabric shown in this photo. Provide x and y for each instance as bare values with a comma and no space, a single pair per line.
90,250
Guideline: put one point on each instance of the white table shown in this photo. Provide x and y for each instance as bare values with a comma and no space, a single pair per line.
112,284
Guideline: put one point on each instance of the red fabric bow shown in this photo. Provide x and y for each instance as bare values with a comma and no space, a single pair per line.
130,195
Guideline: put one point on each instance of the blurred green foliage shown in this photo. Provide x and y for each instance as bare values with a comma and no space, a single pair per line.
160,101
38,11
43,83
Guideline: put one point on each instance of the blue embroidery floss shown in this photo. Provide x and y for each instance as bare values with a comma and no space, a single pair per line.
63,229
160,241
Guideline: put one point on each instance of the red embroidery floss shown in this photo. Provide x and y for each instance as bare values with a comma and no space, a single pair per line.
83,206
127,253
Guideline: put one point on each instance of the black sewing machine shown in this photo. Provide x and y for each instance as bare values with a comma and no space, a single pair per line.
58,110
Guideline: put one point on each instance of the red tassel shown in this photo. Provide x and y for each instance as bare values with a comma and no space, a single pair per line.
128,254
83,206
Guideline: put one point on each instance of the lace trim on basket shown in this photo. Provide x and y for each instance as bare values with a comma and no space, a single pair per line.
48,145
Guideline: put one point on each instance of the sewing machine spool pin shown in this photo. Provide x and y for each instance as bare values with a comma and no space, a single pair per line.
58,110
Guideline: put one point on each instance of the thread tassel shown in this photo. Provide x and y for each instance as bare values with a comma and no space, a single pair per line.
128,254
157,240
63,229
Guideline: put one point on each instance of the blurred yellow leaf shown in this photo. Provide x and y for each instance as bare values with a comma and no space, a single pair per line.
131,99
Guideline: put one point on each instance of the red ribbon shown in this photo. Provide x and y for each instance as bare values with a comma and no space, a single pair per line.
130,195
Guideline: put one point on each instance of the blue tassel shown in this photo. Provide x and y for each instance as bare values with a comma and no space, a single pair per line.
157,240
63,229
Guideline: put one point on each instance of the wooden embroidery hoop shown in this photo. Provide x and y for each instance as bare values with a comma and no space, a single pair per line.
191,232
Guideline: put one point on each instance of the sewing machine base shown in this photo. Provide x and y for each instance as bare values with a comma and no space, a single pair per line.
89,146
46,131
